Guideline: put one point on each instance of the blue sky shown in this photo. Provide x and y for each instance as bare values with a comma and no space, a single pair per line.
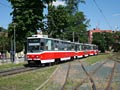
107,20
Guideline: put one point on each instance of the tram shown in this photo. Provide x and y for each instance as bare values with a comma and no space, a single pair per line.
41,50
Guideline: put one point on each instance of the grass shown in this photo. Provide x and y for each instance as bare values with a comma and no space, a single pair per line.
11,65
94,59
26,81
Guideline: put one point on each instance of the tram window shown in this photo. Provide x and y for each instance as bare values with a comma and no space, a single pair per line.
42,46
72,47
87,47
56,45
65,46
34,40
48,44
76,47
56,48
69,46
34,48
52,45
91,47
80,47
83,47
60,46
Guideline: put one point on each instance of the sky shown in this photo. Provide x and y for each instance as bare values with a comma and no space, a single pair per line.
103,14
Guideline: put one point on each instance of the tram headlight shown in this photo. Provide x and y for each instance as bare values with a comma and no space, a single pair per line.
27,56
37,56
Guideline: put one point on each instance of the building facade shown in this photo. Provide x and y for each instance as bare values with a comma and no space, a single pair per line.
96,30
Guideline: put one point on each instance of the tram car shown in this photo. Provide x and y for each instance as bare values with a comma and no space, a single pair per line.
41,50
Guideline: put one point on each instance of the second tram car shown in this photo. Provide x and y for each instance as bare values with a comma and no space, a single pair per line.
42,50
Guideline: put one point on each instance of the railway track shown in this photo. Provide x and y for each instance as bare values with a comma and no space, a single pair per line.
15,71
110,77
63,80
67,74
60,79
90,77
66,77
89,74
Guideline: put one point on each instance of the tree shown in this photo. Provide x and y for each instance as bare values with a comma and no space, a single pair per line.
77,22
77,25
109,40
72,5
98,39
57,21
28,15
3,41
2,29
116,44
104,40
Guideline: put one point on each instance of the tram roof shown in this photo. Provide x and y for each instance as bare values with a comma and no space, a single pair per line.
45,37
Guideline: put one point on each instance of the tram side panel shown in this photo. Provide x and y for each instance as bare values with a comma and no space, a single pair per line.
51,50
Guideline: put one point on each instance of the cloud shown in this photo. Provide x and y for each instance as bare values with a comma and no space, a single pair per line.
59,3
117,14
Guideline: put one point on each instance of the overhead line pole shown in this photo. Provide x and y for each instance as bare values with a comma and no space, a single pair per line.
14,52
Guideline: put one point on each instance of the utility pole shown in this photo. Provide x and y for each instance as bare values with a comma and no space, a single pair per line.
73,36
11,51
14,43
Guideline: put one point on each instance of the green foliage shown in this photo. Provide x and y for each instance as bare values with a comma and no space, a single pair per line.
72,5
2,29
116,35
99,40
77,23
28,15
107,41
3,42
116,45
62,25
48,1
27,18
57,21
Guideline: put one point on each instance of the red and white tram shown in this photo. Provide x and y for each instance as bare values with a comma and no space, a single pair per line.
47,50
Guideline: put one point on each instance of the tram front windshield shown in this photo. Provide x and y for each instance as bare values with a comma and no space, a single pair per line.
34,45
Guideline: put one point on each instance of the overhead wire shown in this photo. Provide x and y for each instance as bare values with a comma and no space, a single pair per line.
100,10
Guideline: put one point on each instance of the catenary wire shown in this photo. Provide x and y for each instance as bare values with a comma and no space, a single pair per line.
100,10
